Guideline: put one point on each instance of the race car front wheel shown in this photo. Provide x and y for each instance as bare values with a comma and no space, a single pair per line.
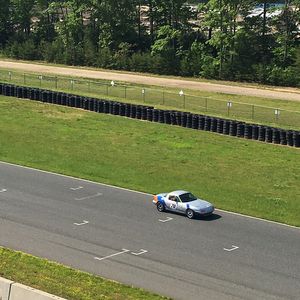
160,207
190,213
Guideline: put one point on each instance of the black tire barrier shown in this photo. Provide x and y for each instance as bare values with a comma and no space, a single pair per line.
37,95
106,107
195,121
179,118
290,138
20,93
240,131
201,122
296,138
100,106
122,109
72,102
254,132
45,96
184,119
220,126
276,136
7,90
233,128
149,114
207,123
144,112
283,137
96,105
133,111
189,120
114,108
127,110
155,115
173,118
54,99
248,131
214,125
111,107
138,112
261,133
92,104
161,116
64,99
167,117
269,135
226,127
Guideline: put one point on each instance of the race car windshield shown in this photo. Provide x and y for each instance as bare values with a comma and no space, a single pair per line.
187,197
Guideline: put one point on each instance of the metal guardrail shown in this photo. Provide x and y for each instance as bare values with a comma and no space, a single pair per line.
180,100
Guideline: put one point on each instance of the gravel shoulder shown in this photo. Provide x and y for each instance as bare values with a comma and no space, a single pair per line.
273,93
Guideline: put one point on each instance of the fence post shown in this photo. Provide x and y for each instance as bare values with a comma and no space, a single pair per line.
229,104
144,94
9,75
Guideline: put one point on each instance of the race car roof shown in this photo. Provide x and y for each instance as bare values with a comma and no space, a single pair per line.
178,193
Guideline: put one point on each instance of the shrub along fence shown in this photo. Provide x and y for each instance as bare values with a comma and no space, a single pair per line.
149,113
150,96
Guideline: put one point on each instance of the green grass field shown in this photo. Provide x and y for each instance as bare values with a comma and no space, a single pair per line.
245,108
63,281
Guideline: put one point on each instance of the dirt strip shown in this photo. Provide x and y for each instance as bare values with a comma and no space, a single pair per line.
274,93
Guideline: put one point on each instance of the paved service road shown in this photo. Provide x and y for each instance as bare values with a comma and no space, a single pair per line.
283,93
119,234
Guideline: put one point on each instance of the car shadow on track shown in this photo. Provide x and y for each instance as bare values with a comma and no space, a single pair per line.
210,218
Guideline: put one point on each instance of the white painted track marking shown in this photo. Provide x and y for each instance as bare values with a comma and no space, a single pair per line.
167,220
88,197
142,193
3,190
232,249
105,257
142,251
83,223
77,188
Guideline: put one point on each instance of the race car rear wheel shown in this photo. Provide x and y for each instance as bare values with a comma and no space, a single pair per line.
160,207
190,213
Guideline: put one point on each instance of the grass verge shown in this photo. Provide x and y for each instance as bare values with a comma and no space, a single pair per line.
239,175
63,281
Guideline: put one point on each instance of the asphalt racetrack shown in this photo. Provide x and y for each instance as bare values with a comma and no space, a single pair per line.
118,234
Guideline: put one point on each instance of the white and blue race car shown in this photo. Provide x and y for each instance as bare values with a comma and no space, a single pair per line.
183,202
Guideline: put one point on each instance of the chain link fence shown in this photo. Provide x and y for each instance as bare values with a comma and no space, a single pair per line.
151,96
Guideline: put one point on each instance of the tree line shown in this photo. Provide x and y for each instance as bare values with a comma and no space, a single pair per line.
241,40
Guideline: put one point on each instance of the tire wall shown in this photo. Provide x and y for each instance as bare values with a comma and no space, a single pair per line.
148,113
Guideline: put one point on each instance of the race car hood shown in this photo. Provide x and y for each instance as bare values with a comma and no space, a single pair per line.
199,204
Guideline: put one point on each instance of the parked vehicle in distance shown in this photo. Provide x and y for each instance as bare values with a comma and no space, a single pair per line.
183,202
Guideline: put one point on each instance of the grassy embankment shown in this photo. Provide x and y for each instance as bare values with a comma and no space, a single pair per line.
235,174
245,108
63,281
